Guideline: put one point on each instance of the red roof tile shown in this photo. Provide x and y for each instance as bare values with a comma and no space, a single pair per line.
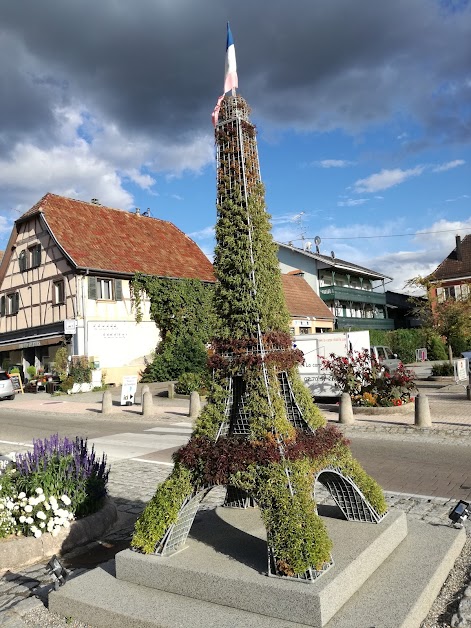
452,267
302,300
102,238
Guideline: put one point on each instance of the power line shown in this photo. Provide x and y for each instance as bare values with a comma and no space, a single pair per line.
395,235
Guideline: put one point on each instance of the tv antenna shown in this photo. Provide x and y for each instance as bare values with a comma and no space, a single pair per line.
317,242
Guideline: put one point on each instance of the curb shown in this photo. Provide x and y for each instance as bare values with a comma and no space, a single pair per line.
22,551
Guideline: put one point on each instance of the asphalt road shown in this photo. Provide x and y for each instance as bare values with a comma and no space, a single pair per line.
432,468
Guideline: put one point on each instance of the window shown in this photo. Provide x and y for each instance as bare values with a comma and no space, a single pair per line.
10,304
101,289
22,261
59,292
35,255
304,330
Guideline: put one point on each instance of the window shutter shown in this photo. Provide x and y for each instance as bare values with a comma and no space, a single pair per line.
2,306
92,288
16,303
118,290
22,261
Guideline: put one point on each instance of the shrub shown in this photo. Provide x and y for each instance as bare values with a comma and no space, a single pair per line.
443,369
188,382
31,370
43,490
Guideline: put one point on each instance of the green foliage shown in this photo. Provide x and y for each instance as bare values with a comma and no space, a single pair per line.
61,361
162,510
67,384
380,338
189,382
435,348
183,311
237,304
31,370
443,369
80,370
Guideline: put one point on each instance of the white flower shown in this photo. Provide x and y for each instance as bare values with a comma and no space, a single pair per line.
28,508
53,501
47,506
67,501
55,531
29,519
39,490
66,524
42,525
33,528
21,495
40,515
9,505
37,533
22,519
2,506
40,498
32,500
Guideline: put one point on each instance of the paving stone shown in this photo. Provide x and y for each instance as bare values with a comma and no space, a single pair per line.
30,604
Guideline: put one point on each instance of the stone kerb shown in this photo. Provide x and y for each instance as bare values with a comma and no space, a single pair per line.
18,551
384,411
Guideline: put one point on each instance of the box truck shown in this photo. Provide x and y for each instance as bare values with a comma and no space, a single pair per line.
317,346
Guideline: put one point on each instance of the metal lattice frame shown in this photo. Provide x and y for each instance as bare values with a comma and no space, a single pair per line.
348,496
177,534
293,411
237,498
309,575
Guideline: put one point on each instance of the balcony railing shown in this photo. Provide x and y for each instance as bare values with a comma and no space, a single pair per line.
384,324
339,293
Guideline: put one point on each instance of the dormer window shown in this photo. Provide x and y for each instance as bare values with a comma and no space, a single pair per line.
35,255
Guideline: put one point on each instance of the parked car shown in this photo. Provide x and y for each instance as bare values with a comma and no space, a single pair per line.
6,387
386,358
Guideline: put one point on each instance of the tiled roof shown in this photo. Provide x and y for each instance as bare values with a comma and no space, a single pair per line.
336,262
101,238
452,267
302,300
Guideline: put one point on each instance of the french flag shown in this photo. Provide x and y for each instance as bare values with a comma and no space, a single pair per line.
230,79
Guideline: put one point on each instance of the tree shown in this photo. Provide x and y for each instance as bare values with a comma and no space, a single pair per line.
450,318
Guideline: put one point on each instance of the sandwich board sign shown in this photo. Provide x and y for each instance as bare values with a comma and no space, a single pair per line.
15,379
128,390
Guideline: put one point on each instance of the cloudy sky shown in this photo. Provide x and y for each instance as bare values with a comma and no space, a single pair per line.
363,111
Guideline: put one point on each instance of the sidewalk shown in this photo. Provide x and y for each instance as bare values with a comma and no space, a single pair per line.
449,407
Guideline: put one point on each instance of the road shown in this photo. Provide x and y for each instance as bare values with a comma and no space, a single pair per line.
432,468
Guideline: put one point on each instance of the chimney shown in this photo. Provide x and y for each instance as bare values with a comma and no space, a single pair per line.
138,211
459,252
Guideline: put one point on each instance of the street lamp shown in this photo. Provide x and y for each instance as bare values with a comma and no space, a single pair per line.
459,513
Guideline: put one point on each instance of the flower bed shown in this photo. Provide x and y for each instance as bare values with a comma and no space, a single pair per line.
42,492
368,383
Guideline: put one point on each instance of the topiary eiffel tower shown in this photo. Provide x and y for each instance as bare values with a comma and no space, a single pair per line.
260,433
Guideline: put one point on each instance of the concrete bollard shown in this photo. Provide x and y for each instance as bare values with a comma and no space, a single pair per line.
144,389
346,410
195,405
171,390
422,411
147,404
107,403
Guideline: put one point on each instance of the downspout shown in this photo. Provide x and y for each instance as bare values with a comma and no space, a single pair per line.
84,312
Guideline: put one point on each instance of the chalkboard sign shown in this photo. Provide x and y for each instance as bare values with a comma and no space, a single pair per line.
16,381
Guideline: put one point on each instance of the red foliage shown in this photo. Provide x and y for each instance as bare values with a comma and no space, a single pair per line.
213,462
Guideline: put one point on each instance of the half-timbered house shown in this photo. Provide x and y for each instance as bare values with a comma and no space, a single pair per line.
65,279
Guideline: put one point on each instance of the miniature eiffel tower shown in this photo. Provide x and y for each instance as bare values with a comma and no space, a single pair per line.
275,442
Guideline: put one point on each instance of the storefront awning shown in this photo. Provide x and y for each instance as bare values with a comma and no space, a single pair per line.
34,341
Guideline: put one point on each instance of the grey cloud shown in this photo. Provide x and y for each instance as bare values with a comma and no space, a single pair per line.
156,67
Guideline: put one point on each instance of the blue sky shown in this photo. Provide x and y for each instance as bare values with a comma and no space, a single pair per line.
363,113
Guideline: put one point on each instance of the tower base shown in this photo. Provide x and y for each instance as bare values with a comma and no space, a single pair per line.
385,572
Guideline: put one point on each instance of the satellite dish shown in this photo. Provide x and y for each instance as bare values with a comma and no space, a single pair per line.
332,254
317,240
307,246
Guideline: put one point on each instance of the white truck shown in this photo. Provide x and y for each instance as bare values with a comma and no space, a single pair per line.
314,346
